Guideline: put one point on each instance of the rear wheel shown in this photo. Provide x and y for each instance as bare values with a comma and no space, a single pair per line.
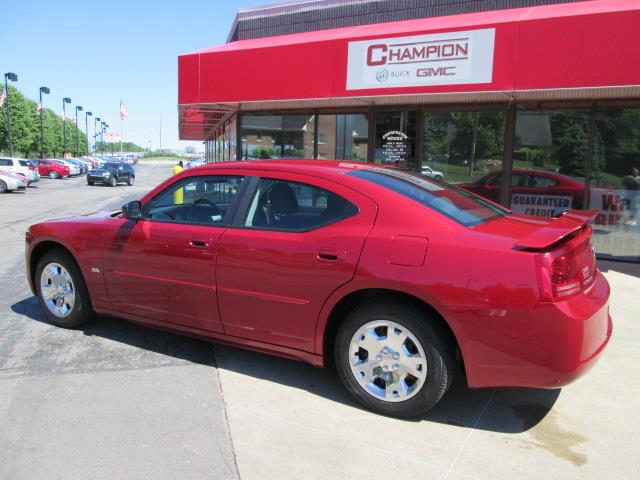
61,290
112,181
3,187
395,359
53,174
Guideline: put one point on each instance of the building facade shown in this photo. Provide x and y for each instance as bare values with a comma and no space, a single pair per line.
536,107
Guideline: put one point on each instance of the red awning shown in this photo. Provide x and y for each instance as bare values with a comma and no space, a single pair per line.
587,50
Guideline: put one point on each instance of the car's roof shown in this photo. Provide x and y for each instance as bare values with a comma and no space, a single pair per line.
322,167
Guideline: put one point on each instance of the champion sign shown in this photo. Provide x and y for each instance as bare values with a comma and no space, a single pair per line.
422,60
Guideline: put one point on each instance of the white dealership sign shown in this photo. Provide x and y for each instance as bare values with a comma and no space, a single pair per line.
422,60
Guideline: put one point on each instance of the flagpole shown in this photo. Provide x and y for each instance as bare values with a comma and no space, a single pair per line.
121,120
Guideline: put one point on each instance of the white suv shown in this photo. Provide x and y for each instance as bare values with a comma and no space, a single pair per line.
20,165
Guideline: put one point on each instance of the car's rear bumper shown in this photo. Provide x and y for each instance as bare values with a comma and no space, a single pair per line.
548,346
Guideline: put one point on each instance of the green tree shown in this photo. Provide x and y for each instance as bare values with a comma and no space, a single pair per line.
24,123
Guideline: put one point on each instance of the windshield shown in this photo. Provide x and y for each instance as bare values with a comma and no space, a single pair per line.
453,202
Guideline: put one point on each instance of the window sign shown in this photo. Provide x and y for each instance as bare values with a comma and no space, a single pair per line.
395,147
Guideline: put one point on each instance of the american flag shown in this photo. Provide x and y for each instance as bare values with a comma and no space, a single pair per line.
123,111
3,95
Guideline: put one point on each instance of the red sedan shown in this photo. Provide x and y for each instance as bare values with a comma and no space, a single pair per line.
396,279
51,169
531,188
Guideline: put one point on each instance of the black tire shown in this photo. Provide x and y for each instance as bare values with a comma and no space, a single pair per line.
53,174
438,177
81,311
434,339
112,181
131,180
89,182
3,187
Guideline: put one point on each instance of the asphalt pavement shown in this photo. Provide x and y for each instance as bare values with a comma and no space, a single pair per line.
118,401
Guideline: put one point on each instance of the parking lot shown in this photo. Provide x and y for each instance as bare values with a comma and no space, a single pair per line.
116,400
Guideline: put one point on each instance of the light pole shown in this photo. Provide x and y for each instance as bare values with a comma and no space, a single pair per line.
78,109
14,78
106,127
104,148
46,91
95,134
86,131
65,100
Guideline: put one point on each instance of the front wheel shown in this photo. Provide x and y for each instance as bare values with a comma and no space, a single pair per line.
395,359
113,182
131,180
61,290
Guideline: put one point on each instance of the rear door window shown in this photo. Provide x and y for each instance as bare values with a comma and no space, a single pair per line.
296,207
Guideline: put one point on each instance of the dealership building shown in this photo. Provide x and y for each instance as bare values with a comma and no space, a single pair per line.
534,104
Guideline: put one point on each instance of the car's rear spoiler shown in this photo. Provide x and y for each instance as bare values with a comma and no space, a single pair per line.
566,224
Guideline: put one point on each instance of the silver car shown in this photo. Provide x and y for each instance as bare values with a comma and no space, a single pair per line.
10,181
22,166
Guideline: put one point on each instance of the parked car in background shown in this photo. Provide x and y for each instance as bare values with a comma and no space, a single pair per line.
112,174
20,165
11,181
52,169
81,165
389,275
195,162
74,170
531,183
431,173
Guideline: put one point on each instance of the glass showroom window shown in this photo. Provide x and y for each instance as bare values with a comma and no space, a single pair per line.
465,148
615,184
277,136
343,137
549,161
395,139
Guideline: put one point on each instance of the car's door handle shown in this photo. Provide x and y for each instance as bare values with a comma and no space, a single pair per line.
329,255
198,243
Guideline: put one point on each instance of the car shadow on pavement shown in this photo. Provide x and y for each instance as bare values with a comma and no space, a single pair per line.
180,347
497,410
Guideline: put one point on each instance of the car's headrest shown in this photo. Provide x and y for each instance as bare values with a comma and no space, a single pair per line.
282,199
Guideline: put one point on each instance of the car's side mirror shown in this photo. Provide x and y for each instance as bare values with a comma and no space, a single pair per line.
132,210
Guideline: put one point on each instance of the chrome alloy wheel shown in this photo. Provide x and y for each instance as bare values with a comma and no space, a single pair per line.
57,290
387,361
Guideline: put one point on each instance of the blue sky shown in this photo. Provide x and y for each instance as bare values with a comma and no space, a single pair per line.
99,52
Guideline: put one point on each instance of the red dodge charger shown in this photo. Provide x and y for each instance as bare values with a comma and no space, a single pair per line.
399,280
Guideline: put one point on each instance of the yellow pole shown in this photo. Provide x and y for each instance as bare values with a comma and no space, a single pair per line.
178,195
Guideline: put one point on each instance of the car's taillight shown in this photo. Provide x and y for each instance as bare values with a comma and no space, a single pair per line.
567,270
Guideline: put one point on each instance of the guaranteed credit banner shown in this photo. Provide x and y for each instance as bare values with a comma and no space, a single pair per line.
421,60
